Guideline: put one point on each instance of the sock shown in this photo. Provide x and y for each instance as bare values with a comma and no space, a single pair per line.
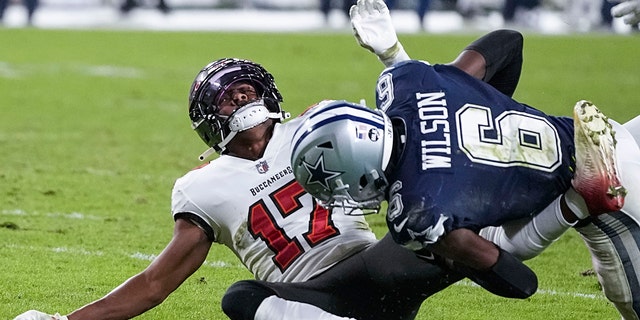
576,204
527,238
275,307
633,126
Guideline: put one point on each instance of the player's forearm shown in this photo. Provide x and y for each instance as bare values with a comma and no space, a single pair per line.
130,299
468,248
484,263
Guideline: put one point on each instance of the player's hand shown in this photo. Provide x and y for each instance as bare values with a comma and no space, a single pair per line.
628,10
372,27
37,315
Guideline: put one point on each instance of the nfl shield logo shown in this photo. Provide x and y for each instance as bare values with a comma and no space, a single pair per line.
361,132
262,167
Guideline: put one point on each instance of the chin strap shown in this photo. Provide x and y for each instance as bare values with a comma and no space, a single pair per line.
244,118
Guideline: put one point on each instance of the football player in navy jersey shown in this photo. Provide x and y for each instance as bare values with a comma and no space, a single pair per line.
339,290
452,155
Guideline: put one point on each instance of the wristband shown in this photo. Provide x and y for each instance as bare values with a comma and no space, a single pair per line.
394,55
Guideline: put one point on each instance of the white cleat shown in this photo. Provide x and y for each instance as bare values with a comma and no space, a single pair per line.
596,174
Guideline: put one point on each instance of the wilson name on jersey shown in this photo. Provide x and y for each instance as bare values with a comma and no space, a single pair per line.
472,156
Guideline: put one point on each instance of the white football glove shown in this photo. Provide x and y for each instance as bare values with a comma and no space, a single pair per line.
628,10
37,315
372,27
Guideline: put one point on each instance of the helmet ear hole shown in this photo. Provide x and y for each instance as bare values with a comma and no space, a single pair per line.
326,145
363,181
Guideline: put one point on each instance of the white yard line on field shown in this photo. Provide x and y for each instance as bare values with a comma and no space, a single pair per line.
548,292
12,70
84,252
223,264
213,264
68,215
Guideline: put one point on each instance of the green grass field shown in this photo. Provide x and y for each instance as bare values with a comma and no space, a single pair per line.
94,131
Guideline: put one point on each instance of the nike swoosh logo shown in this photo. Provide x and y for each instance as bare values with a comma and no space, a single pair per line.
430,256
398,227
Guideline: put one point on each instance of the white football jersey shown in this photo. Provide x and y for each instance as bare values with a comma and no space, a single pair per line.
258,210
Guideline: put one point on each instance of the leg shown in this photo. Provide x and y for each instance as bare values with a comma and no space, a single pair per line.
597,176
3,6
346,6
128,5
614,239
633,126
162,6
423,7
31,5
613,242
527,238
502,53
325,7
254,300
292,310
509,10
605,13
242,299
391,290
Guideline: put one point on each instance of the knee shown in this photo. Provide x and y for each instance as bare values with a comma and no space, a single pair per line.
242,299
511,37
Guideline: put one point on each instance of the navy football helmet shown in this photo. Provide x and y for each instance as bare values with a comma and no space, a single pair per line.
210,86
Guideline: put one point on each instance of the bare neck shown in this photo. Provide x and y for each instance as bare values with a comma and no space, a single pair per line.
251,144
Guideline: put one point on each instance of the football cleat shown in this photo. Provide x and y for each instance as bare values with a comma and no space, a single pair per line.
596,174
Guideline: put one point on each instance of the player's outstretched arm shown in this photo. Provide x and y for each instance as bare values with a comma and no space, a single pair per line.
372,27
487,265
628,10
181,258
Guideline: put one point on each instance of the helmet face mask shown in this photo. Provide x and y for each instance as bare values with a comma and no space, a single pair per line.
340,151
213,83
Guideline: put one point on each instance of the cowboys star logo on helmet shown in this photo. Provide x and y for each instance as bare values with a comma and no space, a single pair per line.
318,174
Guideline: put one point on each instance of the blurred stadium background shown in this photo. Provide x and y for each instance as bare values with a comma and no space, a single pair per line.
93,133
549,17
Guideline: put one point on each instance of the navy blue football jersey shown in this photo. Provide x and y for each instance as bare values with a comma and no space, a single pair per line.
469,156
